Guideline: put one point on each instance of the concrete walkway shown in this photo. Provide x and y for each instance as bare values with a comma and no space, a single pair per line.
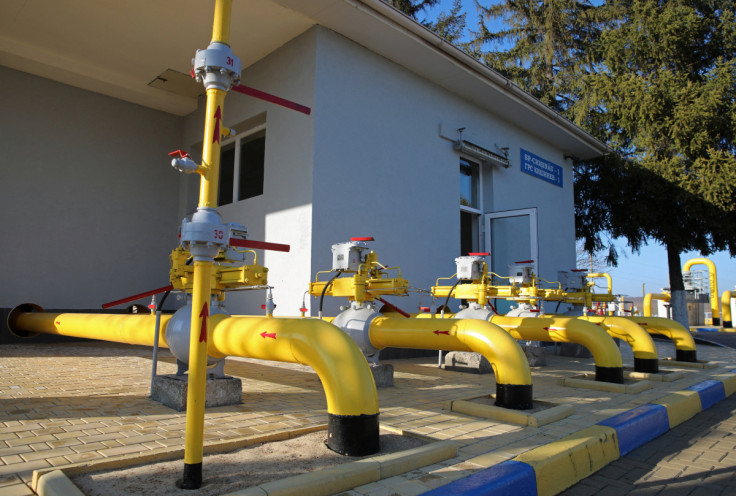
72,403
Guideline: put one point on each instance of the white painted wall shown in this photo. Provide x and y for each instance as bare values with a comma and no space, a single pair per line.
88,202
283,214
382,169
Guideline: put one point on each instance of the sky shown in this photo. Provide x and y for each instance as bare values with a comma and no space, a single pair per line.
649,266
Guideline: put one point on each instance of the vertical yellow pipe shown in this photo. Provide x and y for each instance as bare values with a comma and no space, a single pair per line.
221,23
726,304
194,435
713,283
648,301
211,148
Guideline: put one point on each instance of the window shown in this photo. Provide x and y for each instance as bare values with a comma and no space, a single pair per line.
470,206
245,180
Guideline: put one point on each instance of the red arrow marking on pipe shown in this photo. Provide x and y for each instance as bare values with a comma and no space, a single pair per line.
58,322
438,332
218,117
642,323
545,328
265,335
204,314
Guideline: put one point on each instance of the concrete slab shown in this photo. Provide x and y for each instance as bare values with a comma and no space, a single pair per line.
171,390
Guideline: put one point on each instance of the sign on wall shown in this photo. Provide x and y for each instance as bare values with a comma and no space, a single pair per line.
541,168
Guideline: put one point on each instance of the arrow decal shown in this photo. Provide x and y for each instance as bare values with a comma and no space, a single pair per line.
438,332
218,118
265,335
203,315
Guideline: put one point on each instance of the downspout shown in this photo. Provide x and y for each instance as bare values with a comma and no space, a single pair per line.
648,301
713,283
352,400
684,342
510,366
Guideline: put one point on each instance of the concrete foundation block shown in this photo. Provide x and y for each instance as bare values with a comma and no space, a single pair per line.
574,350
383,374
535,355
171,390
467,361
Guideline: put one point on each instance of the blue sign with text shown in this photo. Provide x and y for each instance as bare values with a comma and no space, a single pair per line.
541,168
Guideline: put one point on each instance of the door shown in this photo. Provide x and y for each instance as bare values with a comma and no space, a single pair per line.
511,237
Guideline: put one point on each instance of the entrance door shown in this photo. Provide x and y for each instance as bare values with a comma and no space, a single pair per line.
511,237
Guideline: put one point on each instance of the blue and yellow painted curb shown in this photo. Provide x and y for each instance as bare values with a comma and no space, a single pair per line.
552,468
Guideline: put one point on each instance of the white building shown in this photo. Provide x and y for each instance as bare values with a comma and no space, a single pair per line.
90,208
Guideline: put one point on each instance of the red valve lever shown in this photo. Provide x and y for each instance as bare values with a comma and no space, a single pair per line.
179,153
365,238
247,90
258,245
483,254
138,296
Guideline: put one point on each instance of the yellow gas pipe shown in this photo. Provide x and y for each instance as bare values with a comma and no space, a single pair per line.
607,357
684,342
713,283
726,304
510,366
347,380
645,352
648,301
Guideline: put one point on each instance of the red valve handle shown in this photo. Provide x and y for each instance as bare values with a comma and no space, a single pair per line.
365,238
258,245
479,254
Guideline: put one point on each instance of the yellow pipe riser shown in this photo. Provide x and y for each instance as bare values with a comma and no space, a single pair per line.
197,382
211,148
607,277
684,342
118,328
505,355
648,301
726,304
713,283
344,371
221,23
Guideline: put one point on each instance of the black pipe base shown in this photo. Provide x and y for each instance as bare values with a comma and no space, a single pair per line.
514,396
716,321
353,435
192,476
609,374
647,365
686,355
727,324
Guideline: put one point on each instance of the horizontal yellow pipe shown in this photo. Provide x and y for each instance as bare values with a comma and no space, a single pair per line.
505,355
342,368
648,301
630,332
564,330
676,332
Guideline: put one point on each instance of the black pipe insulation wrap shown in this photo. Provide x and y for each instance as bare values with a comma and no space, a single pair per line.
192,476
514,396
686,355
648,365
609,374
353,435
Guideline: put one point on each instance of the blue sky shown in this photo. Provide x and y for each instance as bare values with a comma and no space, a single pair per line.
649,266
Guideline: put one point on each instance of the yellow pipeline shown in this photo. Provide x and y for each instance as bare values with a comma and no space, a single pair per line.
198,337
726,304
642,344
713,283
342,368
221,23
609,365
604,275
506,356
211,148
684,342
648,301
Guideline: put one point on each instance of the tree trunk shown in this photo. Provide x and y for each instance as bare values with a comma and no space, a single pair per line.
678,301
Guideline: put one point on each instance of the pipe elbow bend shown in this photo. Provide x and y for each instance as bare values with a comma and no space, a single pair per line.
506,356
601,345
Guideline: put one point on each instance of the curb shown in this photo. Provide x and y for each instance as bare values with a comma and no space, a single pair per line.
554,467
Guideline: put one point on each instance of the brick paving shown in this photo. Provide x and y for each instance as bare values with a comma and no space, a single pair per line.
78,402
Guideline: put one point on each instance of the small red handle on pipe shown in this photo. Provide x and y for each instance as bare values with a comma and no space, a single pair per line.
365,238
138,296
524,261
483,254
258,245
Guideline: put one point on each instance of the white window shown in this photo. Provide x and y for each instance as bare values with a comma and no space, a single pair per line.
471,205
245,180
